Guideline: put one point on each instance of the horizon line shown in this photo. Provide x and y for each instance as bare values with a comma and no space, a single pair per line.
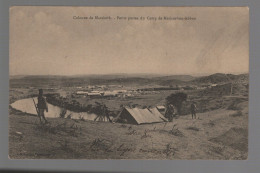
161,74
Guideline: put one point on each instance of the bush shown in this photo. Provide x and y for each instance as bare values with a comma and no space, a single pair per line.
193,128
63,112
102,111
177,99
237,114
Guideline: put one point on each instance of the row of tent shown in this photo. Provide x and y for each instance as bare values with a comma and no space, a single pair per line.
140,116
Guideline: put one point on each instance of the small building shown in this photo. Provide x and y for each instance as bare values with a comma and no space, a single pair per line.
94,94
128,95
109,94
90,87
82,93
120,91
95,91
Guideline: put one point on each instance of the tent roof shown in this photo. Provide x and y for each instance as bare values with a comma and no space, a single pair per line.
157,113
160,107
145,115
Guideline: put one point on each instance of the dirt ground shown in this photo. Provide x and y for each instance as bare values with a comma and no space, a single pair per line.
218,134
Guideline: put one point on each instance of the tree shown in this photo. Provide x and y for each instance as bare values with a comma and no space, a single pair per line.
176,99
102,111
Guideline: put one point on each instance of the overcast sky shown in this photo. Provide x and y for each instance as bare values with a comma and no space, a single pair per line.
48,41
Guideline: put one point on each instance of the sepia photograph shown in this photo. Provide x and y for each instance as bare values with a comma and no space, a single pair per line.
150,83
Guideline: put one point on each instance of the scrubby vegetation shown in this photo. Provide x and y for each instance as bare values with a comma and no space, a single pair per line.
98,108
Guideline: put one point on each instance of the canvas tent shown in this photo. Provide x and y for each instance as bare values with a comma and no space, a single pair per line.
161,108
140,116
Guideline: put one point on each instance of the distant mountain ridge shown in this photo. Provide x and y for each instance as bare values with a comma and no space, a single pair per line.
122,79
221,78
177,77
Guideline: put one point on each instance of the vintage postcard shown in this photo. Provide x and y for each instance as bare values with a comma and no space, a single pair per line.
129,83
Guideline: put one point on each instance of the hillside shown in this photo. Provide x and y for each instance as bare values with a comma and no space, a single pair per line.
217,135
184,78
221,78
225,89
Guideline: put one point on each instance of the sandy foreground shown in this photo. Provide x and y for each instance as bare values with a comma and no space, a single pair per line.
219,134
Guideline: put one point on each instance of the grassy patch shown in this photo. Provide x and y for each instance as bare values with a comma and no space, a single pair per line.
235,105
193,128
169,151
237,138
175,131
101,144
145,135
72,130
237,114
